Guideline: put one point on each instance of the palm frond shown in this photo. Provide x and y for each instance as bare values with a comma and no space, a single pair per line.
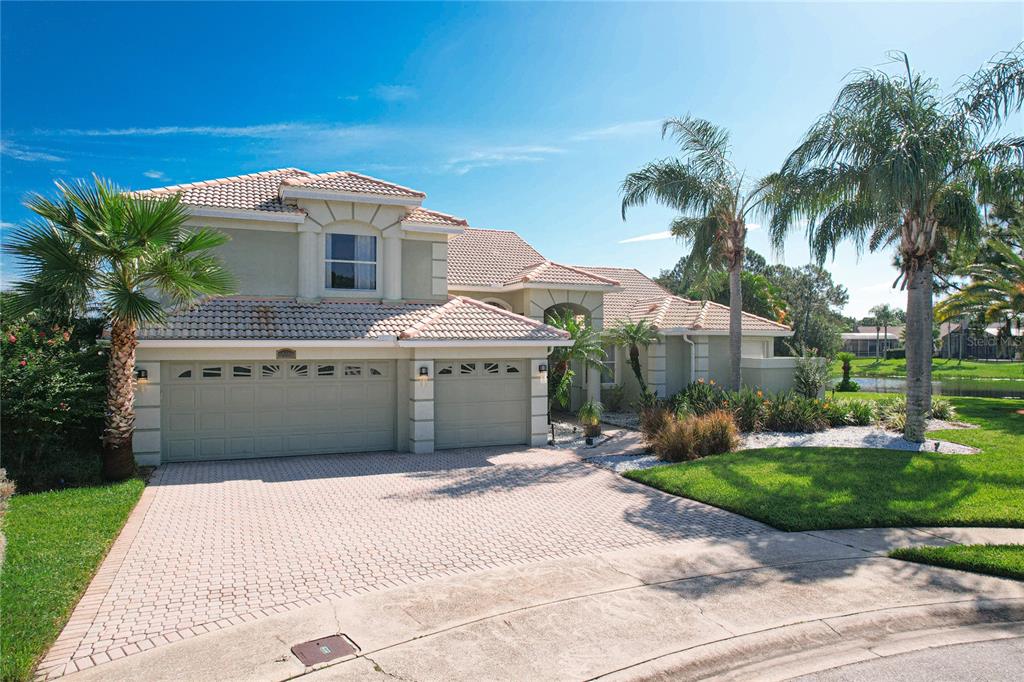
988,97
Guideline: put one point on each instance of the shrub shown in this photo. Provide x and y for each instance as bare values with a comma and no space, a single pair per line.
896,354
790,412
703,396
892,413
713,433
860,412
847,386
811,375
942,409
672,443
51,395
697,436
837,413
615,397
747,407
652,420
590,417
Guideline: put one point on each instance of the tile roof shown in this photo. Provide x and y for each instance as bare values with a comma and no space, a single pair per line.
635,286
262,191
499,258
428,217
248,319
253,192
642,298
352,183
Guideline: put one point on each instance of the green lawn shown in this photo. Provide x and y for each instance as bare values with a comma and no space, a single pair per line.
55,542
941,369
817,488
1006,561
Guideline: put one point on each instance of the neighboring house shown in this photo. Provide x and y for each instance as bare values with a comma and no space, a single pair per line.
367,322
868,341
693,336
975,342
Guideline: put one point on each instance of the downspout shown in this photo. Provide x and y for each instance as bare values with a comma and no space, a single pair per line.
693,357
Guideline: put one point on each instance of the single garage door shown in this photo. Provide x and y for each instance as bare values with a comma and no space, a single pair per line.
480,402
228,410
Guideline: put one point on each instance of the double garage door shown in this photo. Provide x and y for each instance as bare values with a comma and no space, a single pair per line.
230,410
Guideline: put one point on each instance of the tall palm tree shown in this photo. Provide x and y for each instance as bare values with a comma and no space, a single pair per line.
586,350
896,164
126,254
714,200
633,336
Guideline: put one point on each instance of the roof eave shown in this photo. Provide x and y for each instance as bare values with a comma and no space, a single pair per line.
681,331
246,214
433,228
517,286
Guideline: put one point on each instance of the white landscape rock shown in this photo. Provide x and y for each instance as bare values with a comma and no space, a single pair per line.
851,437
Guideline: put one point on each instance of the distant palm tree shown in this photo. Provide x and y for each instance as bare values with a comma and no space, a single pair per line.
97,245
714,200
633,336
586,350
895,164
885,315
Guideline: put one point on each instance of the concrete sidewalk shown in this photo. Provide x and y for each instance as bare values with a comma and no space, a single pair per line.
766,605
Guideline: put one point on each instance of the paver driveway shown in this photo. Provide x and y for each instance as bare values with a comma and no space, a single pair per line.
220,543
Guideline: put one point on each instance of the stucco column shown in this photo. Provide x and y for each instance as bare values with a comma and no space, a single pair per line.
538,415
421,407
701,358
392,264
310,272
656,368
593,384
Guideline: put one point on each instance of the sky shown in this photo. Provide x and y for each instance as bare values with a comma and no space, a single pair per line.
523,116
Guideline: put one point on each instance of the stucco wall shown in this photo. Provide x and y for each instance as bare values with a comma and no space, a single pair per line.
768,374
265,263
417,271
677,364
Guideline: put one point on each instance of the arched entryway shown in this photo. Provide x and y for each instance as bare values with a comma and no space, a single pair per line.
583,378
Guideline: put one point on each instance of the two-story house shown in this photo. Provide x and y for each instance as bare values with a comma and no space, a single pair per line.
364,321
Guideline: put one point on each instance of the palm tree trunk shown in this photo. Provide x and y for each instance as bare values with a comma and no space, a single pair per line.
634,362
735,322
118,458
877,356
919,350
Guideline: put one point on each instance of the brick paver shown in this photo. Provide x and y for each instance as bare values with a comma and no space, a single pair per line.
215,544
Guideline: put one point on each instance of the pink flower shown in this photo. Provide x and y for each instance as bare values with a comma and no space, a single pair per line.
22,363
12,338
66,336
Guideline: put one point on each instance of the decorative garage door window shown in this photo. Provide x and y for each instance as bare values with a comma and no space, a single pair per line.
276,371
479,368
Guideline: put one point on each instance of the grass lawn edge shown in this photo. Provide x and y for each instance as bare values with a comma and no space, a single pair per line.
1002,561
56,543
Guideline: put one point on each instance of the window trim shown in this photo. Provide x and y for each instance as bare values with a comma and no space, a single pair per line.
615,377
351,229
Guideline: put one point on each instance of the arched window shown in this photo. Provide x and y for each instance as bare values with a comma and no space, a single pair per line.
497,303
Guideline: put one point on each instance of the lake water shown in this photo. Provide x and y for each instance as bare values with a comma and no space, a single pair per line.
985,388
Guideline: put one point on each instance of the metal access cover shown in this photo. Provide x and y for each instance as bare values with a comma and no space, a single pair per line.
324,649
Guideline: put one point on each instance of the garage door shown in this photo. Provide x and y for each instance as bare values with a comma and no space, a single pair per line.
480,402
226,410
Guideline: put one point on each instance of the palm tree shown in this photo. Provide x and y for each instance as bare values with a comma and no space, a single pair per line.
714,200
633,336
894,163
996,288
97,245
885,315
586,349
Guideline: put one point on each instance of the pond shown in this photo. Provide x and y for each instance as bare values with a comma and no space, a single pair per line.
984,388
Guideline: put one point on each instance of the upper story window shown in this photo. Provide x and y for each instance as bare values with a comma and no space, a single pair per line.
351,262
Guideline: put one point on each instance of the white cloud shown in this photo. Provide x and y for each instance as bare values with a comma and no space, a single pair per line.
498,156
625,129
155,175
17,151
263,130
4,225
394,93
652,237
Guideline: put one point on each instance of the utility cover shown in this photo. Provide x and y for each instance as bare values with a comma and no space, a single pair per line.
324,649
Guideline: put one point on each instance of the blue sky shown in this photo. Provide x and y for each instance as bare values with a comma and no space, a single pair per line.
516,116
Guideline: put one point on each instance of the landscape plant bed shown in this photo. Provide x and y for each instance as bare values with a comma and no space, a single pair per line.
1005,561
825,487
55,542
